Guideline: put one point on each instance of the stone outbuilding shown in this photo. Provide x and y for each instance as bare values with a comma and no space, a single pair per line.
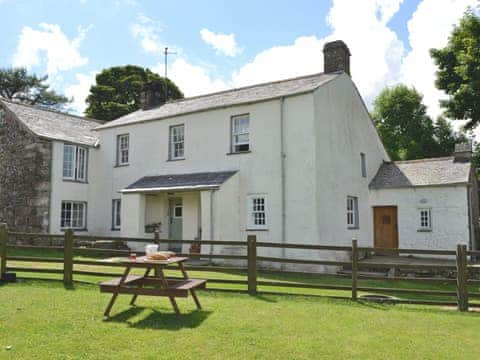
27,134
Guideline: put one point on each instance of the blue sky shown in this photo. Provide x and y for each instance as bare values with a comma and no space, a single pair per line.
222,44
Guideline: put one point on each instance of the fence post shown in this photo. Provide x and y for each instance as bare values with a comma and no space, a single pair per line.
68,257
354,268
3,249
252,264
462,275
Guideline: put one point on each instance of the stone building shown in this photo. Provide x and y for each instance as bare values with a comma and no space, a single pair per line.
26,136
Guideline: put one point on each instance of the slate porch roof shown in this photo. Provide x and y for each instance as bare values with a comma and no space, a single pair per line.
55,125
194,181
424,172
244,95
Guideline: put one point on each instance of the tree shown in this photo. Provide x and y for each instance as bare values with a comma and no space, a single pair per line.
118,91
446,137
406,130
459,71
16,84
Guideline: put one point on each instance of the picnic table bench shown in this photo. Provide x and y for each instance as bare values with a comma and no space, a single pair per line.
157,285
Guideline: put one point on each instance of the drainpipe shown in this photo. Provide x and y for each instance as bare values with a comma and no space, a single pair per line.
282,174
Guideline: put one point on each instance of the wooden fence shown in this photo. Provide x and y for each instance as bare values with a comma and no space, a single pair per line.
461,267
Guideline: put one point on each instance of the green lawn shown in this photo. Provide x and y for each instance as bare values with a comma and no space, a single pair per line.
42,319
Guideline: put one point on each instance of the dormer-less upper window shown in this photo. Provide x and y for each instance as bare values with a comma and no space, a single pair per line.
123,146
177,142
74,163
240,133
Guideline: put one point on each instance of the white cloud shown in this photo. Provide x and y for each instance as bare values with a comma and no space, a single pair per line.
280,62
80,91
61,53
148,32
191,79
222,43
430,27
376,49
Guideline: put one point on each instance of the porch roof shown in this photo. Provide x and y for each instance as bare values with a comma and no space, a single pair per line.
179,182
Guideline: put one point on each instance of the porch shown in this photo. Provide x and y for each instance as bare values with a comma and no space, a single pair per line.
179,207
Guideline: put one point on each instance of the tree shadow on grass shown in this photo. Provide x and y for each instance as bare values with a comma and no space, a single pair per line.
160,320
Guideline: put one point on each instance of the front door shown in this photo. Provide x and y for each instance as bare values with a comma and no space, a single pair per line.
176,223
385,227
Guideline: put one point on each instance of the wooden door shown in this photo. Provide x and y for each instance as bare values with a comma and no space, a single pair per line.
385,227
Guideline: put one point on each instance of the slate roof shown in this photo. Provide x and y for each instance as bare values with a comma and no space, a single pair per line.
245,95
180,181
55,125
424,172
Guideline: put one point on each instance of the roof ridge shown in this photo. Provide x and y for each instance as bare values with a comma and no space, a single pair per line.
442,158
242,88
101,122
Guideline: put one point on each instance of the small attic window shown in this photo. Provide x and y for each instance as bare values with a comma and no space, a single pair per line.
2,117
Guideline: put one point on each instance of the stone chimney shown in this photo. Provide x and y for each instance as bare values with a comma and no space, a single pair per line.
336,57
463,152
152,96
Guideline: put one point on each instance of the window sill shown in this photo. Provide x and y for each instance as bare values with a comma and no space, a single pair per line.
178,159
353,228
74,230
113,229
424,230
256,229
75,181
121,165
239,152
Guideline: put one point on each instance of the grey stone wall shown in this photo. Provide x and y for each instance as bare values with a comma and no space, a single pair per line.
25,177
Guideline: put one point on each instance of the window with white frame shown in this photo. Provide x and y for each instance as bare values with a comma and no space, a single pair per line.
240,133
352,212
116,213
257,212
177,139
75,160
363,164
123,144
425,218
73,215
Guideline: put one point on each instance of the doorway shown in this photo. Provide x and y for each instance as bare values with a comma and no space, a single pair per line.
385,227
176,223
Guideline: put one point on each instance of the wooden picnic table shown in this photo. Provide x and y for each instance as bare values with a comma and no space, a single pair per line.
157,285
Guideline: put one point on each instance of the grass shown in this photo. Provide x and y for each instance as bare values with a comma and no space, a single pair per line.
42,319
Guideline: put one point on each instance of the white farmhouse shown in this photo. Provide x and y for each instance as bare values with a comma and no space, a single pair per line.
291,161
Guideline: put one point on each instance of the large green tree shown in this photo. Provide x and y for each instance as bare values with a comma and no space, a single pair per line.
405,128
459,71
118,91
401,119
18,85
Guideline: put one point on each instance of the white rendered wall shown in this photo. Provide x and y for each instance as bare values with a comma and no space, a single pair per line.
449,215
344,130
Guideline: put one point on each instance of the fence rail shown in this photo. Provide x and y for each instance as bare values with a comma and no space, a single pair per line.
254,285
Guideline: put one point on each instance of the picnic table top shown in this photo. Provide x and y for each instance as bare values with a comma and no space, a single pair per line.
142,261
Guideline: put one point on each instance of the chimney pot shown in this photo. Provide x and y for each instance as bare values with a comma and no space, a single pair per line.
463,152
152,95
336,57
